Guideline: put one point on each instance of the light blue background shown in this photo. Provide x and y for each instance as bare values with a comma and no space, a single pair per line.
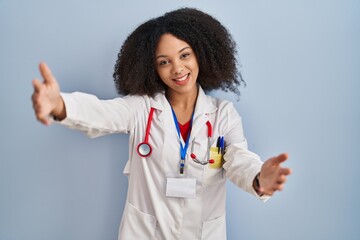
301,61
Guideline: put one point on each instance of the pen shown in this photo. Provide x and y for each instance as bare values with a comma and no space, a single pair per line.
218,144
222,144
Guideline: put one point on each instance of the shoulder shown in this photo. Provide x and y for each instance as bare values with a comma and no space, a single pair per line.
141,100
226,113
141,104
222,105
213,104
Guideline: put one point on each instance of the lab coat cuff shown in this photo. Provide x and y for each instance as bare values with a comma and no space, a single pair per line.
264,197
71,111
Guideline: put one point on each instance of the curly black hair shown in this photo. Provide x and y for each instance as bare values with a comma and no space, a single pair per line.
135,72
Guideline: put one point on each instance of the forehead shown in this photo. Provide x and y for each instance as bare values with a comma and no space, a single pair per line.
169,44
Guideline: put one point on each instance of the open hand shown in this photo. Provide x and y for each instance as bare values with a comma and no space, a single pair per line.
272,176
46,98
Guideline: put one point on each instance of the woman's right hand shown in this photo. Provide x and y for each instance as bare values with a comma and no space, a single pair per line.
46,98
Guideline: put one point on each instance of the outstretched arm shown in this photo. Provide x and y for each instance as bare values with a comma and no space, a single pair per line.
272,176
46,98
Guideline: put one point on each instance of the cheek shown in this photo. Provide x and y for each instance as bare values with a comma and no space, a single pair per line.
195,68
162,74
194,65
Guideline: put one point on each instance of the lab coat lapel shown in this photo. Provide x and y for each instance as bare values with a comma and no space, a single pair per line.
202,109
164,115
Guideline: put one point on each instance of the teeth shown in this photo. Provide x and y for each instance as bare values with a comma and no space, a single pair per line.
181,79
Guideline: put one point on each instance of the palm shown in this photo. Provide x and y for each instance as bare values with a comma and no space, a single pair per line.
272,175
49,96
46,95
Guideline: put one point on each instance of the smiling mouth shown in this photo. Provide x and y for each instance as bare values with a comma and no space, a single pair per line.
181,79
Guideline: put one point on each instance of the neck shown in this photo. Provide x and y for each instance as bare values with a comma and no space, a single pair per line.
182,100
183,104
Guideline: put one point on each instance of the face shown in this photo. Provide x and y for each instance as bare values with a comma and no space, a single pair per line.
176,65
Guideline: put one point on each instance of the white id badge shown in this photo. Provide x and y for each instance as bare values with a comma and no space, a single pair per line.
181,187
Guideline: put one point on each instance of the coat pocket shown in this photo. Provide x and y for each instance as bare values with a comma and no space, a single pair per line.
213,176
136,224
212,173
214,229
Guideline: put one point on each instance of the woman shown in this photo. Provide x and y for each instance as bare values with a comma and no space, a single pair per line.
183,143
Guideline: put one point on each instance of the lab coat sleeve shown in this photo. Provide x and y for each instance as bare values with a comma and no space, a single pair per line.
95,117
241,165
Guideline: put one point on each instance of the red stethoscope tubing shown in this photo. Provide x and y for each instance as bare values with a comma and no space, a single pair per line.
193,156
208,124
144,149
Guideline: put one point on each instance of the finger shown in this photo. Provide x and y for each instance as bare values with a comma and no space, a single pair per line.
38,109
36,103
37,85
266,192
275,187
47,121
281,158
281,179
285,171
34,97
46,73
280,187
43,119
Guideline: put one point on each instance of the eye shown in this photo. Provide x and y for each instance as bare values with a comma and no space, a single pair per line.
163,62
184,55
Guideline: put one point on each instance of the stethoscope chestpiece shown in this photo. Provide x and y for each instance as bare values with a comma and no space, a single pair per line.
144,149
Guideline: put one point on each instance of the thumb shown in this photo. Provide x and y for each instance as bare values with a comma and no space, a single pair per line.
46,73
279,159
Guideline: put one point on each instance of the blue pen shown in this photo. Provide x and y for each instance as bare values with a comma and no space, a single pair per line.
218,144
222,144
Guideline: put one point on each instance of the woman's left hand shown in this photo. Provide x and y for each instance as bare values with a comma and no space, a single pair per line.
272,176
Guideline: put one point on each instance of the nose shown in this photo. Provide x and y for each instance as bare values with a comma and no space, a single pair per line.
177,68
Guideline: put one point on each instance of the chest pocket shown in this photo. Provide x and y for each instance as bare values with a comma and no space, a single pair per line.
212,173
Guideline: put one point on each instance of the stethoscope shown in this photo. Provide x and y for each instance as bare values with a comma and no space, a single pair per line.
144,148
193,156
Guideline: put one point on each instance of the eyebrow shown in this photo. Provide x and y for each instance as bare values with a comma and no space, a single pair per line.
159,56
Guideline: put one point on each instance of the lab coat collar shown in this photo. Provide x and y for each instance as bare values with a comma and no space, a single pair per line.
203,104
203,107
159,102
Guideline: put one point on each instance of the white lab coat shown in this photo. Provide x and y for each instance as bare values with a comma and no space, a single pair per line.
148,213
